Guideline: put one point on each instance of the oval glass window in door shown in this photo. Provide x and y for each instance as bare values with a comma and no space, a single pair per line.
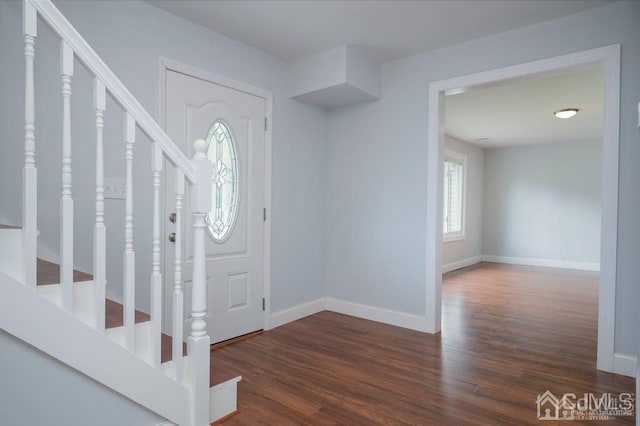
224,190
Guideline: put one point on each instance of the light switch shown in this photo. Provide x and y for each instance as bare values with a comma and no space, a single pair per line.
114,188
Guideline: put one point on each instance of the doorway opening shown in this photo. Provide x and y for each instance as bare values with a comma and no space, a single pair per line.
609,58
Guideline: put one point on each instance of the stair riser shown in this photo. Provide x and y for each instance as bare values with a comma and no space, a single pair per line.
83,299
11,261
223,399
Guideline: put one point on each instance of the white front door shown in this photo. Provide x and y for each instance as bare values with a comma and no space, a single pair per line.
233,122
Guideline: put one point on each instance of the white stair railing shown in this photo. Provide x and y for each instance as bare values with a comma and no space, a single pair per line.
196,173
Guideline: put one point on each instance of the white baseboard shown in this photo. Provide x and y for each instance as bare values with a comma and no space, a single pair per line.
459,264
374,313
358,310
549,263
625,364
297,312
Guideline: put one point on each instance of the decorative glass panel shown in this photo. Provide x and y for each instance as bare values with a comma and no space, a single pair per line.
224,195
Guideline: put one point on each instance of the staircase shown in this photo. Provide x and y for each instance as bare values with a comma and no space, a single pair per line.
127,357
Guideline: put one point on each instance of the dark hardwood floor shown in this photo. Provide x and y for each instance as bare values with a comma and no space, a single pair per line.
509,333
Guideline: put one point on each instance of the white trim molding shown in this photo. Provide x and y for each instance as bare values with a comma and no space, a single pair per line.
609,57
296,312
459,264
548,263
374,313
624,364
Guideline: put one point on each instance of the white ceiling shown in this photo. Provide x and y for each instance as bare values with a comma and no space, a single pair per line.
521,112
385,30
517,112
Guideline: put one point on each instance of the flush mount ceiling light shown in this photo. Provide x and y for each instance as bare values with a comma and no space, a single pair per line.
455,91
566,113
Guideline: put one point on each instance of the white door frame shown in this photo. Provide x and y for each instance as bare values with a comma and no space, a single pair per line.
171,65
609,56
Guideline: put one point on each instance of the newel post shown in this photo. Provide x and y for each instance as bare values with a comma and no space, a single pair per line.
198,340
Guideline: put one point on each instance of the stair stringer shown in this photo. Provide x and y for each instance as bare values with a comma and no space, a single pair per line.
53,330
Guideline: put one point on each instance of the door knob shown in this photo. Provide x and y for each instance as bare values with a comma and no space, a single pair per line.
172,218
172,237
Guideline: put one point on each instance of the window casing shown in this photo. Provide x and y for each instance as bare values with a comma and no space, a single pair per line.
455,169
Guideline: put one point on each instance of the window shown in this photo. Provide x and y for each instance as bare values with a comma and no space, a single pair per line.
455,165
224,197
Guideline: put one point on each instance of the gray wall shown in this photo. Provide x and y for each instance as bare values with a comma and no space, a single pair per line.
62,396
471,246
543,201
368,213
377,162
131,36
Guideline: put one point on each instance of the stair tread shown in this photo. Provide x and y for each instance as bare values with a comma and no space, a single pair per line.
114,312
49,273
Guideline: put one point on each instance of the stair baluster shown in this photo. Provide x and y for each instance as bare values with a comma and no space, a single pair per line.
156,276
30,172
129,259
178,292
66,201
99,232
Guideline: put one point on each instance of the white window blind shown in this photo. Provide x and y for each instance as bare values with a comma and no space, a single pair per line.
453,195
